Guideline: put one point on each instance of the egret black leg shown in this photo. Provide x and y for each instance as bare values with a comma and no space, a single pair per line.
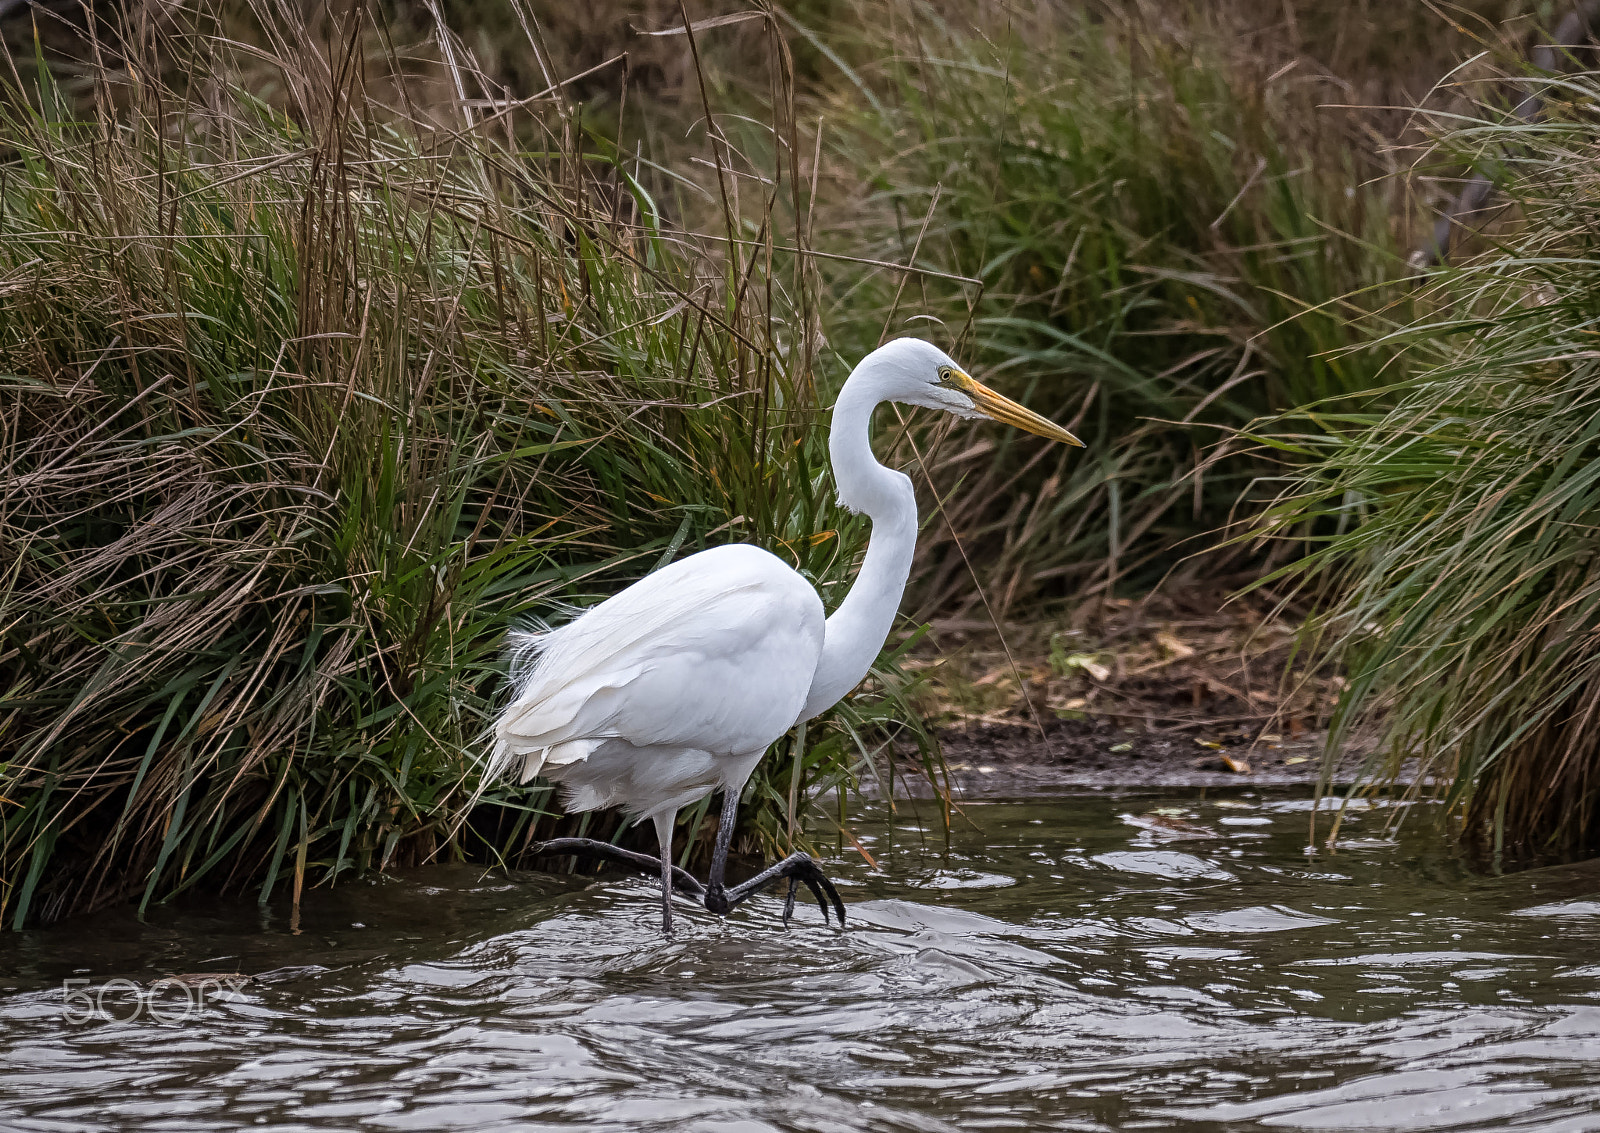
798,868
589,848
664,823
716,896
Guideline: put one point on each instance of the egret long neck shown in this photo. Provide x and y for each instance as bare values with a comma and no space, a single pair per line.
858,628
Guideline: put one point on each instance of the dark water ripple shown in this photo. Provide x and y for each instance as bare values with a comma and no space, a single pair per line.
1057,970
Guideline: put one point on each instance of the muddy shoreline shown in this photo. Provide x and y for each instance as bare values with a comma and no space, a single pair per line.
1072,756
1185,688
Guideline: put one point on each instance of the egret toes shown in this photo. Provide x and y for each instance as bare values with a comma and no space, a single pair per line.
800,869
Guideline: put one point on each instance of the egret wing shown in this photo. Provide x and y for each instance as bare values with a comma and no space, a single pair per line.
715,652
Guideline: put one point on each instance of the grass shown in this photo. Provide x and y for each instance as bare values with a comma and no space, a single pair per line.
1454,535
1163,239
328,358
310,392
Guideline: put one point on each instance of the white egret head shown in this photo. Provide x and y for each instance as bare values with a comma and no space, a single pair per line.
915,372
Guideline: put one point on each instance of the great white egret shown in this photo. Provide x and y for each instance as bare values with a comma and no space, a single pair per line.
675,687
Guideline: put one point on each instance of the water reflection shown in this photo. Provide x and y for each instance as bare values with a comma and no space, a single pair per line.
1058,970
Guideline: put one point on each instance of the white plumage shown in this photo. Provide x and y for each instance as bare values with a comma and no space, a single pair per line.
675,687
645,702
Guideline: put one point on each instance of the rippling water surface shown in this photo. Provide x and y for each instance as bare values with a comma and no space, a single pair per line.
1057,969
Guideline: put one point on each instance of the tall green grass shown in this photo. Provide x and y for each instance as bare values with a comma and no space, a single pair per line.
1165,238
308,392
1457,552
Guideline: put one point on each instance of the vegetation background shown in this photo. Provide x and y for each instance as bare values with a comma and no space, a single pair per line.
337,338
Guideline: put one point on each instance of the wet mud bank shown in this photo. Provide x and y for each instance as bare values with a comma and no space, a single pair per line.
1184,689
1068,756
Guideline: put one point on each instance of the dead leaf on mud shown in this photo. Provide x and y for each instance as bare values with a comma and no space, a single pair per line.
1070,663
1175,649
1222,761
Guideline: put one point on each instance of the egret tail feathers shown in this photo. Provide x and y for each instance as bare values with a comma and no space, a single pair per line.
550,713
522,652
528,762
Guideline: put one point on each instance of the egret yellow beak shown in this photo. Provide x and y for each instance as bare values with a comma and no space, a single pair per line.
992,404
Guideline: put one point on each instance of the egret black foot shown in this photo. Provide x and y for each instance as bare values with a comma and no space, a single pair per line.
682,881
800,869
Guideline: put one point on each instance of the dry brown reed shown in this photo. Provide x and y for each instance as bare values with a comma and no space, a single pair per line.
311,388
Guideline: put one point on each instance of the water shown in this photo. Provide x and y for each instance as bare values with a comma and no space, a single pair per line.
1058,970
